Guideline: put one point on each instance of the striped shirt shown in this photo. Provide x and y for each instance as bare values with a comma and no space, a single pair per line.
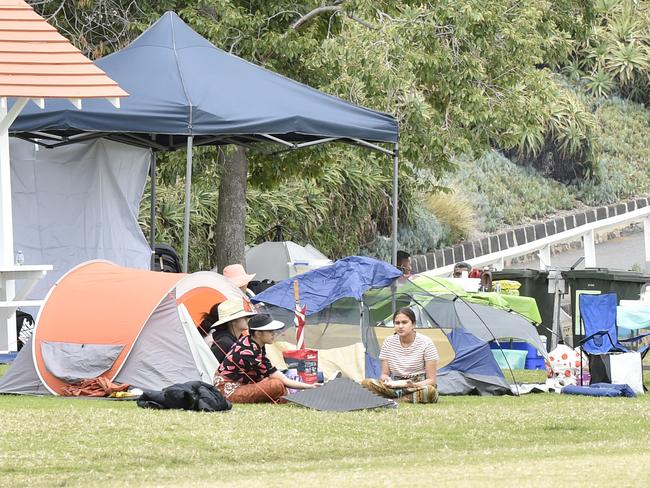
408,362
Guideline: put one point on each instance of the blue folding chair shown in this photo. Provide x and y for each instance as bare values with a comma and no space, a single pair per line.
598,319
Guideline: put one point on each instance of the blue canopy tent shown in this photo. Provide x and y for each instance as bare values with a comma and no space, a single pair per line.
342,295
184,91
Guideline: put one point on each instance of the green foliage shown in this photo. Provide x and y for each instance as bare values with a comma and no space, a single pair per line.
624,136
564,146
615,56
507,194
100,27
170,210
423,234
440,69
339,211
460,76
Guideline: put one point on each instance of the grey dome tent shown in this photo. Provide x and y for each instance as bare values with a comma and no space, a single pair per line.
184,91
278,261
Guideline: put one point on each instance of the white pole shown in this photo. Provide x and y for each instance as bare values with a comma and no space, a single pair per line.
188,196
6,222
544,258
7,286
589,244
395,202
646,241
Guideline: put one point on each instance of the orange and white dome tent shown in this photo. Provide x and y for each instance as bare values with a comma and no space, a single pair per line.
126,325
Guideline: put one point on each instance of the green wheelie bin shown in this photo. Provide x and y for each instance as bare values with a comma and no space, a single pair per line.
626,284
534,283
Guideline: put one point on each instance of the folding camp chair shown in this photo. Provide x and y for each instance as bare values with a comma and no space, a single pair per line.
609,360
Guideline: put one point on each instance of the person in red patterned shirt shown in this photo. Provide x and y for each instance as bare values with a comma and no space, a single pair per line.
246,375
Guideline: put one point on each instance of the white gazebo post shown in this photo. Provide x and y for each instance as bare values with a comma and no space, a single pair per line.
9,270
31,69
7,287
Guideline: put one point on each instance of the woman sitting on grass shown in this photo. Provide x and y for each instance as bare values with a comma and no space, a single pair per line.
408,363
229,322
246,375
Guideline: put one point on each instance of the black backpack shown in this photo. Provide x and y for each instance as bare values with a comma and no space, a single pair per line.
24,328
258,287
166,259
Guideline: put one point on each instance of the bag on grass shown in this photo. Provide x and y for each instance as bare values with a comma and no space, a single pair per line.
305,361
193,395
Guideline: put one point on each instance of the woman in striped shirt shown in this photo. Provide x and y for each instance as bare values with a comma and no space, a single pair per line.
408,363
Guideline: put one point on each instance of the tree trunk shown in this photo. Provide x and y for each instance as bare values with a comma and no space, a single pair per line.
231,218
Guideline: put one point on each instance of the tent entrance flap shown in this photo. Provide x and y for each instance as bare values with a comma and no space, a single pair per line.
72,362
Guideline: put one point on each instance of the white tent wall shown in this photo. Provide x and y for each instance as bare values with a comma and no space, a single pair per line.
161,355
76,203
206,362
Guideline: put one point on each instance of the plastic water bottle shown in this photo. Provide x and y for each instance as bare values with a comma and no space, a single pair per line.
20,258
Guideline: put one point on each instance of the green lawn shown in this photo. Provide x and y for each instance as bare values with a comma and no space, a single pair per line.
462,441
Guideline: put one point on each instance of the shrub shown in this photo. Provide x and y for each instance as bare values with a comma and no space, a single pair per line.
422,235
504,193
625,154
454,211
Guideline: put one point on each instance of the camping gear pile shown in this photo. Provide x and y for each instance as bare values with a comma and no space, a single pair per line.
349,306
140,327
609,360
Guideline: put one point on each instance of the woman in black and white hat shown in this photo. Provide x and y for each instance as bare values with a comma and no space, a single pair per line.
226,322
246,375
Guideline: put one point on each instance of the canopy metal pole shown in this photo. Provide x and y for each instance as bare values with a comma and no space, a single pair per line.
395,196
152,234
188,195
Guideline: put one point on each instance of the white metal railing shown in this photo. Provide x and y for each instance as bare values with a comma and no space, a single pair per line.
543,246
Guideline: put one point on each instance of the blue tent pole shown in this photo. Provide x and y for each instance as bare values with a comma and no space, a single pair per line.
395,203
188,195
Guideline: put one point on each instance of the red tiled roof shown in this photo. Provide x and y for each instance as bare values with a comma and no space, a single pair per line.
38,62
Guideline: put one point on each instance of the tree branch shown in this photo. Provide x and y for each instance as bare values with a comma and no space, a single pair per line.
362,22
317,11
334,9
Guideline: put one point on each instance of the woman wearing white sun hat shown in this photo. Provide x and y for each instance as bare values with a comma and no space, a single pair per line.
232,321
246,375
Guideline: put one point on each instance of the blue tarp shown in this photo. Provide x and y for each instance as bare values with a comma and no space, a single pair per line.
349,277
179,83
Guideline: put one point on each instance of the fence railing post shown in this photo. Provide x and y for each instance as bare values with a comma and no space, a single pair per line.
589,244
646,242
